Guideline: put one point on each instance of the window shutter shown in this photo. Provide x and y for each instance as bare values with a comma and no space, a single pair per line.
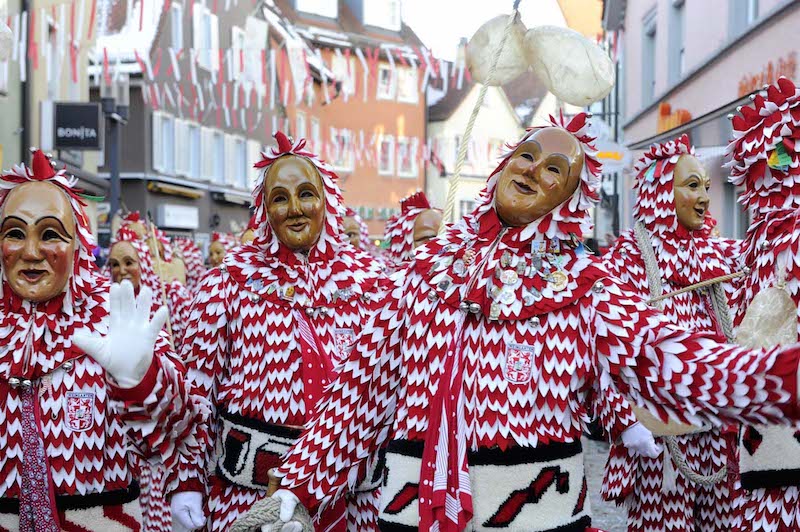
197,28
214,42
158,147
253,156
206,153
230,160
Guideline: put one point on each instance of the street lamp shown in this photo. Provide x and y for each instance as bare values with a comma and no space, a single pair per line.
115,99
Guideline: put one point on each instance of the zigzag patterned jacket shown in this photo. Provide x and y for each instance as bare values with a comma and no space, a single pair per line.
87,424
523,370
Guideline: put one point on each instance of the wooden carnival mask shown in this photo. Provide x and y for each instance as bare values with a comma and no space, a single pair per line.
690,185
542,173
295,201
124,263
216,252
353,231
247,237
426,226
38,241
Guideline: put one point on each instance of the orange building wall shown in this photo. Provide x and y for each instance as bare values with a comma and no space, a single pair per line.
364,186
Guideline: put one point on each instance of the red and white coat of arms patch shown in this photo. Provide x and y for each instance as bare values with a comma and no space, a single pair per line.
80,411
344,339
519,367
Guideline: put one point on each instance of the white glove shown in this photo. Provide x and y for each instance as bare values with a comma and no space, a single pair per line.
126,352
639,439
289,502
187,511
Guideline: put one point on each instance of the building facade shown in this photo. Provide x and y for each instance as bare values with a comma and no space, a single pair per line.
370,123
496,124
684,66
198,119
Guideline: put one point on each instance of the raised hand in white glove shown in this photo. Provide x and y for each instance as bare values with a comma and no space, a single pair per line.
126,352
639,439
187,511
289,502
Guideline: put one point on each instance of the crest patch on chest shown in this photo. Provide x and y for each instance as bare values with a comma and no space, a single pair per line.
80,411
344,341
519,367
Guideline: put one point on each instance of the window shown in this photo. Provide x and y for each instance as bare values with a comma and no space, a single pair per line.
236,161
339,66
677,46
53,64
253,156
408,84
386,155
741,15
256,33
386,83
342,149
194,151
314,140
324,8
301,131
218,157
182,156
495,151
406,157
163,143
205,37
238,39
649,59
751,11
384,14
176,20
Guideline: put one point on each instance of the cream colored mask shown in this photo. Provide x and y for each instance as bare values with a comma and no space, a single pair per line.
37,240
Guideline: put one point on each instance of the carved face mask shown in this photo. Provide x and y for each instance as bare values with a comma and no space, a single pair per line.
690,186
247,237
353,231
542,173
124,263
426,226
37,239
295,202
216,252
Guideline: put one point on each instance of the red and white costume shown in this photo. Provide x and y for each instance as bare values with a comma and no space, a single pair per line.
366,243
193,259
400,231
267,329
766,163
156,514
482,397
65,430
683,258
178,299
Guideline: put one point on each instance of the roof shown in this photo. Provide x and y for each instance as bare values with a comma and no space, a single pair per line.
525,94
442,104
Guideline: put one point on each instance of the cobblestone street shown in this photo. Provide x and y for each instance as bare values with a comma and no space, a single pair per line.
606,516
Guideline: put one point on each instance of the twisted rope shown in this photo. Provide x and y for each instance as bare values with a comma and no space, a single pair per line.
266,512
720,309
697,286
462,148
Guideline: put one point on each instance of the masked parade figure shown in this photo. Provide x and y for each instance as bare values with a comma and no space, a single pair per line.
269,326
129,259
193,259
221,244
669,250
765,162
249,234
416,225
162,271
482,367
358,233
76,402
